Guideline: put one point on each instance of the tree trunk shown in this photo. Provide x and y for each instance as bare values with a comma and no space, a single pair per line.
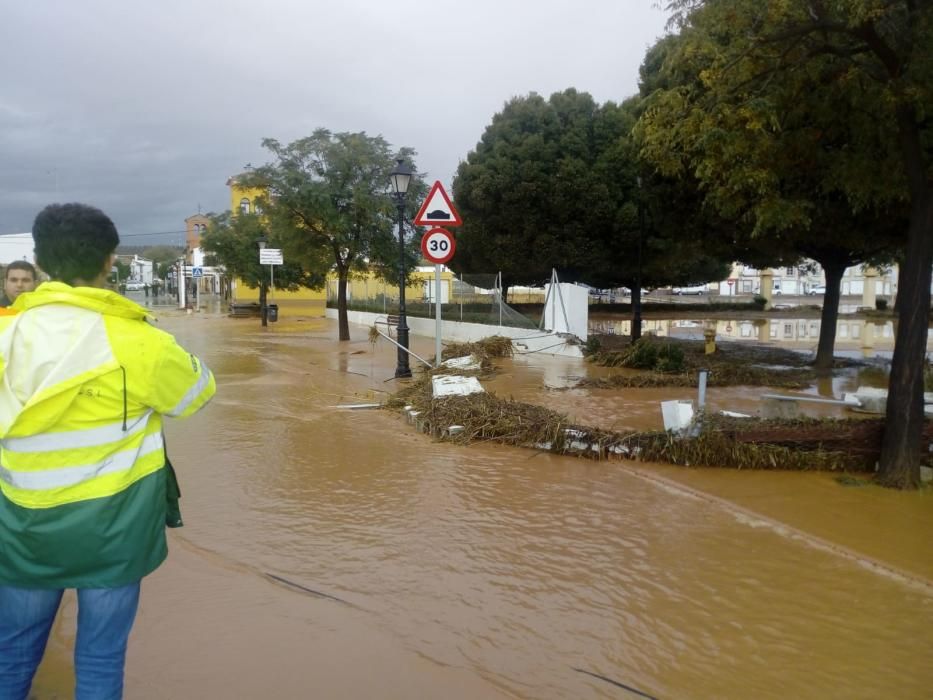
343,324
899,464
636,310
829,314
263,306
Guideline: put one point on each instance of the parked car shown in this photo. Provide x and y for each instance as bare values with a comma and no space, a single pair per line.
695,289
817,289
133,286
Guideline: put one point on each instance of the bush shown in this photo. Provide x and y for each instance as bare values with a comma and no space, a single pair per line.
759,301
643,355
881,304
670,359
666,358
593,345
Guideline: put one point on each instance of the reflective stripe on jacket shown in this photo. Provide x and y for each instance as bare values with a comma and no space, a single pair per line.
84,383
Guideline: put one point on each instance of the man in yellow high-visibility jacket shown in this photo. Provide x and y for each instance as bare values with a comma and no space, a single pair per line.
84,383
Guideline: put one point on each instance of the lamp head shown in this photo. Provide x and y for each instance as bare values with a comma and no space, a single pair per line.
400,177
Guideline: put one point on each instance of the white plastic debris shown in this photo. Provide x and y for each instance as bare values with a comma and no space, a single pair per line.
677,415
454,385
734,414
466,363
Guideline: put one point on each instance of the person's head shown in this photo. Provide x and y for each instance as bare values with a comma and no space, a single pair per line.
75,243
19,277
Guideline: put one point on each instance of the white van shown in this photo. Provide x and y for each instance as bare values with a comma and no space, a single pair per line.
695,289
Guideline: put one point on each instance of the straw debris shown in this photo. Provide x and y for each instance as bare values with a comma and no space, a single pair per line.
676,362
485,349
745,444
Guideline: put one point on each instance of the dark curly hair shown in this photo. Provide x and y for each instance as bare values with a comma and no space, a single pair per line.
73,241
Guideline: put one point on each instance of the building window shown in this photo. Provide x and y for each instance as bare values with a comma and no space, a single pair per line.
257,209
244,206
788,330
856,331
774,330
790,272
843,330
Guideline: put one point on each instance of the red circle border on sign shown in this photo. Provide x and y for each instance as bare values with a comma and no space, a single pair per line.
450,253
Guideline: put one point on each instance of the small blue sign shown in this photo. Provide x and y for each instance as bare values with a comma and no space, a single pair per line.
197,272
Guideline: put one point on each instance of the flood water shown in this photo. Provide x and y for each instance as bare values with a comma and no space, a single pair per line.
487,571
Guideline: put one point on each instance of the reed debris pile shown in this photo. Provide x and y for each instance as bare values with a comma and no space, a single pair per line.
676,362
815,445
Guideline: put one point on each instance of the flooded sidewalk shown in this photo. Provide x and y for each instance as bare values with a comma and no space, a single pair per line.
489,571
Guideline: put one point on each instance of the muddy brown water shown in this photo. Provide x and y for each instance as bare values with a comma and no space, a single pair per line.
487,571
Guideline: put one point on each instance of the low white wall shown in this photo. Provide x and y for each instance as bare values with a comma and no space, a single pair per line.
524,339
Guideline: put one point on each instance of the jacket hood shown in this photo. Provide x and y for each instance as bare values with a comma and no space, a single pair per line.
40,378
102,301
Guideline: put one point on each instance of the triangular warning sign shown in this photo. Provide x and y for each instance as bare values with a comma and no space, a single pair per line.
437,209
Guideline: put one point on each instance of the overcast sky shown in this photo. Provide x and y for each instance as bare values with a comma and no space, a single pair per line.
145,109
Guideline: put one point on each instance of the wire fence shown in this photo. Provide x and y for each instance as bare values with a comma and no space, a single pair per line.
476,298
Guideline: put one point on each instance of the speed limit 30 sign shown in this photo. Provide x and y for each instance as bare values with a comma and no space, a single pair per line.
438,245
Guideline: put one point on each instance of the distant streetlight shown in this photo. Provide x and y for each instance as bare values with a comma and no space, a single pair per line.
636,296
401,178
261,244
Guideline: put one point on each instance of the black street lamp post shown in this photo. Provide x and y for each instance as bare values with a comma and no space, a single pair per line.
401,177
263,308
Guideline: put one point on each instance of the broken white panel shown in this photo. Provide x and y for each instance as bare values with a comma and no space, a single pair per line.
466,363
567,309
677,415
734,414
872,399
454,385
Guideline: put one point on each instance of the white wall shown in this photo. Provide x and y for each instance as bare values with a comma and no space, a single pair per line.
524,339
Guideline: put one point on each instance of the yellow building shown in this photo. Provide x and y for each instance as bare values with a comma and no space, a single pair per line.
242,198
305,302
372,292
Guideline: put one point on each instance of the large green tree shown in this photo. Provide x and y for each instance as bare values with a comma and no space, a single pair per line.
811,119
523,191
646,230
328,204
555,184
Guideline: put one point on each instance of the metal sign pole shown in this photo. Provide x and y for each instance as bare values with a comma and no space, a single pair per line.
437,314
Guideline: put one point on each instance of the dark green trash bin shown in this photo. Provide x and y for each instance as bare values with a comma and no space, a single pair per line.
272,312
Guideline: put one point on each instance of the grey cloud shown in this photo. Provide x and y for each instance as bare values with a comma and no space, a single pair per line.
145,110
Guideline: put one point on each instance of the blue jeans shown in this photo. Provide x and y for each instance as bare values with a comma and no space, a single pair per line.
105,618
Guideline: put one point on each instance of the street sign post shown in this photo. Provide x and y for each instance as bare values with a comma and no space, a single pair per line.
438,246
437,209
196,274
271,257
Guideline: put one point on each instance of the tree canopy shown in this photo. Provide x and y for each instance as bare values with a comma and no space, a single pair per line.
232,239
327,203
554,184
809,121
